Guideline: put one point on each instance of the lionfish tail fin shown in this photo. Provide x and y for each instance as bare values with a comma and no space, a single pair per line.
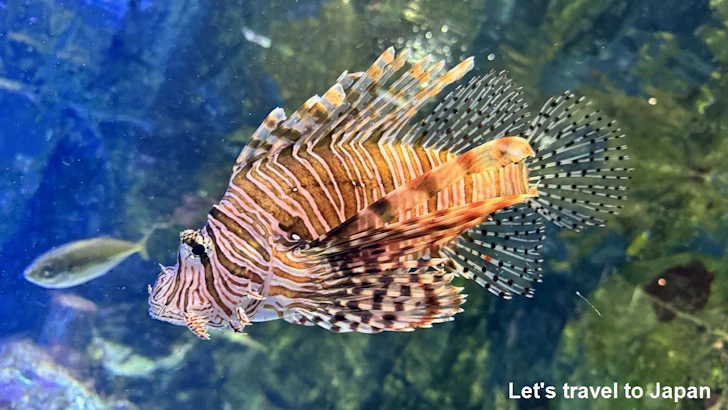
502,254
580,163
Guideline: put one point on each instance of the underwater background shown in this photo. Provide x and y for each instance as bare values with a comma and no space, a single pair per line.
116,115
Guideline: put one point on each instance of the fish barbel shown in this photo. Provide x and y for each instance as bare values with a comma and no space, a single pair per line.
352,216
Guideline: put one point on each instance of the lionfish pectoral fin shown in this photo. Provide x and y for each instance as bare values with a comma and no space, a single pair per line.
376,300
295,317
493,155
417,234
502,254
197,325
369,283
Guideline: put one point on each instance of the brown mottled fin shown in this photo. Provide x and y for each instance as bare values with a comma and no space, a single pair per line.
580,163
347,271
386,301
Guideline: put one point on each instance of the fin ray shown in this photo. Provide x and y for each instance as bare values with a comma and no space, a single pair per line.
503,253
580,163
386,301
486,108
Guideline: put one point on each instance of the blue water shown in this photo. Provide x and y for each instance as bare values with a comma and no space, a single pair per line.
116,115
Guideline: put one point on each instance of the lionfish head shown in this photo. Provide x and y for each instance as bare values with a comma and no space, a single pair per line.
178,293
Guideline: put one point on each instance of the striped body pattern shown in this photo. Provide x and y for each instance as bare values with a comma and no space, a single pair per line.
353,215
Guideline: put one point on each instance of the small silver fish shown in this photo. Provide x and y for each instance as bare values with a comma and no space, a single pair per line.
78,262
256,38
75,302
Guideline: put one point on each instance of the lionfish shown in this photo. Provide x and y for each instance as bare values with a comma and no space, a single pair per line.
354,216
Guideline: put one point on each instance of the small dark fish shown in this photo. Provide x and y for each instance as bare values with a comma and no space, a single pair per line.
78,262
684,287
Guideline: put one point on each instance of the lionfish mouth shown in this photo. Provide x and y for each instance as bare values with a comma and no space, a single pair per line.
166,314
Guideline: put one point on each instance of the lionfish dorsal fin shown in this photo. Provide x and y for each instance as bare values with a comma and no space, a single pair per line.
277,131
487,108
262,140
376,112
359,107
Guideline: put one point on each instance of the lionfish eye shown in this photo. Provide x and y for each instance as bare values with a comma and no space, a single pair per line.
198,250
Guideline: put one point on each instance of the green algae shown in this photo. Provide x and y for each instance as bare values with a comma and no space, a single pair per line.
628,344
